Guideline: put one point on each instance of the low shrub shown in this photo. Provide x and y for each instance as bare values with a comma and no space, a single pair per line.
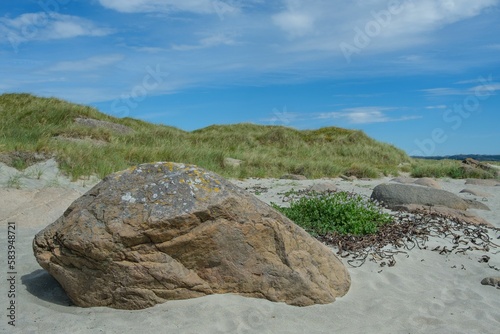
341,212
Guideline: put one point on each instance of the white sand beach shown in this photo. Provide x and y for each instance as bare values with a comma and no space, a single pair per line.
425,292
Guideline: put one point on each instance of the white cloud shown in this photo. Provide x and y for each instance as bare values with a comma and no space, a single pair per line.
492,88
465,82
365,115
148,49
427,15
295,24
487,87
444,91
47,26
324,25
87,64
208,42
359,115
24,20
442,106
151,6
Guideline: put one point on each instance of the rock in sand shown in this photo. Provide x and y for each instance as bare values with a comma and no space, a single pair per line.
493,281
475,193
325,187
166,231
395,194
483,182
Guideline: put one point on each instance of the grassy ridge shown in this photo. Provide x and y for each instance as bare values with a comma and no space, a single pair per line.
449,168
30,123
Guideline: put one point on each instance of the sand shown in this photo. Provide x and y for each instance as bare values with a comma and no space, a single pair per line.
425,292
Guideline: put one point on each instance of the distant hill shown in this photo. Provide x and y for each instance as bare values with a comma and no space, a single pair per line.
477,157
53,127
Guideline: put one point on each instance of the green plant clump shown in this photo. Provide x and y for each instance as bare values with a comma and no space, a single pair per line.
340,212
14,182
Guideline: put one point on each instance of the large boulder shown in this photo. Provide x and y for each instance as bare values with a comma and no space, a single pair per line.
394,194
167,231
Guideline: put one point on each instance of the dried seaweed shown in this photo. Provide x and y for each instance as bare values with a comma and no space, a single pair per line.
409,231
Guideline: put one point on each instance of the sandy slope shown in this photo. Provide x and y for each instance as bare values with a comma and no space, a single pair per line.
424,293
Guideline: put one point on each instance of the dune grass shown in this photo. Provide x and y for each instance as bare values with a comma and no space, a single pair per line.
34,124
448,168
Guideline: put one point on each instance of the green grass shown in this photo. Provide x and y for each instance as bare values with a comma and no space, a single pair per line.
36,172
14,181
448,168
30,124
340,212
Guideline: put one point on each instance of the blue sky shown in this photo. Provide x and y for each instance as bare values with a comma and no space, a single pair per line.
422,75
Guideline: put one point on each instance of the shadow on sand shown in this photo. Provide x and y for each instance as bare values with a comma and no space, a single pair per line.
43,286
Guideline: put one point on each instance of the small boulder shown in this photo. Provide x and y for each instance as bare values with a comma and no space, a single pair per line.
493,281
403,179
348,178
166,231
232,163
477,205
476,164
94,123
483,182
475,193
323,187
394,194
